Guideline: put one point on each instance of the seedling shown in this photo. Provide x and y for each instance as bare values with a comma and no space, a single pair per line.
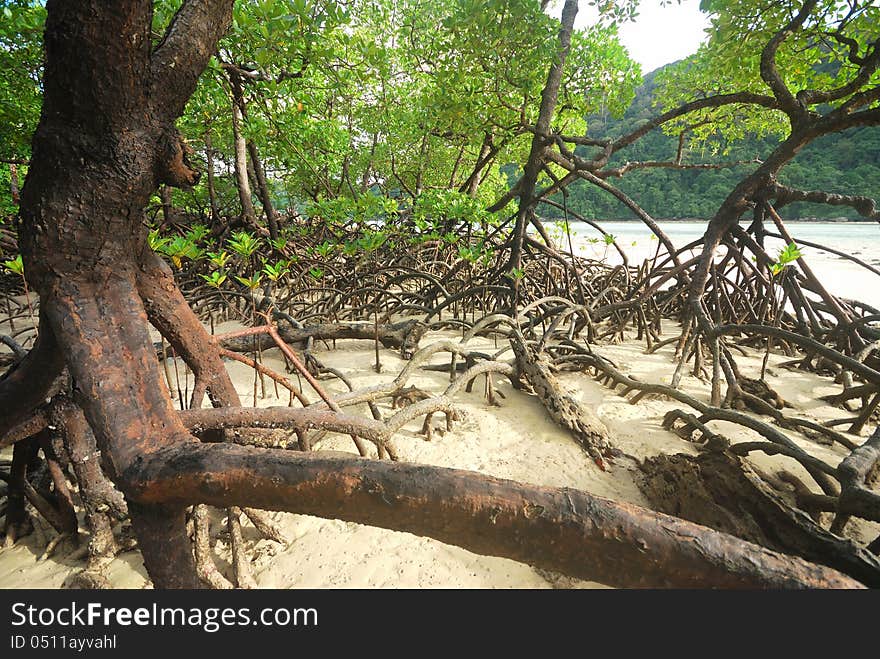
787,255
215,279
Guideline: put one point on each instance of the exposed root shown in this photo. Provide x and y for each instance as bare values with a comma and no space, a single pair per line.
720,490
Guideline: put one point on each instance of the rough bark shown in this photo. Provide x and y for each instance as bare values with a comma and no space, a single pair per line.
31,381
558,529
583,424
17,523
172,316
105,142
722,491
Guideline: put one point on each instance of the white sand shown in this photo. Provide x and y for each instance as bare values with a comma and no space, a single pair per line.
516,440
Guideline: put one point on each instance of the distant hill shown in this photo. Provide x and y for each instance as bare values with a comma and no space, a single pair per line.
846,163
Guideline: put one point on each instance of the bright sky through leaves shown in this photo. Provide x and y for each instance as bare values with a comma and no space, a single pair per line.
660,34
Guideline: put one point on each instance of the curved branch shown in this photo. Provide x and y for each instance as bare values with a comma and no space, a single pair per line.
171,315
770,72
856,497
672,164
554,528
637,210
717,101
868,65
183,54
26,385
804,342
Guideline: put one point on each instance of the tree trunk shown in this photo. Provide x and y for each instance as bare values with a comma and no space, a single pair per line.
105,142
13,182
167,206
263,188
212,192
241,162
542,129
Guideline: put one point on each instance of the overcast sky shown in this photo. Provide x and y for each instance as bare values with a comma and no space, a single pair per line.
659,35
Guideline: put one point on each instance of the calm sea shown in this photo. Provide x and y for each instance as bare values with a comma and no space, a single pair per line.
841,276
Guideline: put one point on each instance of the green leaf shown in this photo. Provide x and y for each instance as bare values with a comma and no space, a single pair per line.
15,266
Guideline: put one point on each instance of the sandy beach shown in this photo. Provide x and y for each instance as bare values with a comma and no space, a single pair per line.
515,440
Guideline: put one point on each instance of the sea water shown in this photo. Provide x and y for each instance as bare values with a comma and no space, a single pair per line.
840,276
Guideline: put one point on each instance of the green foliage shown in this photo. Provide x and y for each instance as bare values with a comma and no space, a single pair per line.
15,266
372,116
220,258
178,248
276,272
846,163
156,241
243,243
215,279
787,255
470,253
730,61
21,62
325,250
279,244
370,241
251,283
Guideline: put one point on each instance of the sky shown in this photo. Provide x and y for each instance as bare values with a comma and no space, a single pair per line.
659,35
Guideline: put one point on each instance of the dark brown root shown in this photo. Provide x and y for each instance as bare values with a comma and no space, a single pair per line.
720,490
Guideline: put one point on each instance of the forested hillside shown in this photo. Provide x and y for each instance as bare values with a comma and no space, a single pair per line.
846,163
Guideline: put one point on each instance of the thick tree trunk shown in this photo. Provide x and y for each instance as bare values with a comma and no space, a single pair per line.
558,529
105,142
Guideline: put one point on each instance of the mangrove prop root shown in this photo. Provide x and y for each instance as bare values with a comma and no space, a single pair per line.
583,424
720,490
557,529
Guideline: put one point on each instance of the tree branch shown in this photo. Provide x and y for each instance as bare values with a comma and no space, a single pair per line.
867,69
25,386
866,206
671,164
183,54
717,101
770,72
